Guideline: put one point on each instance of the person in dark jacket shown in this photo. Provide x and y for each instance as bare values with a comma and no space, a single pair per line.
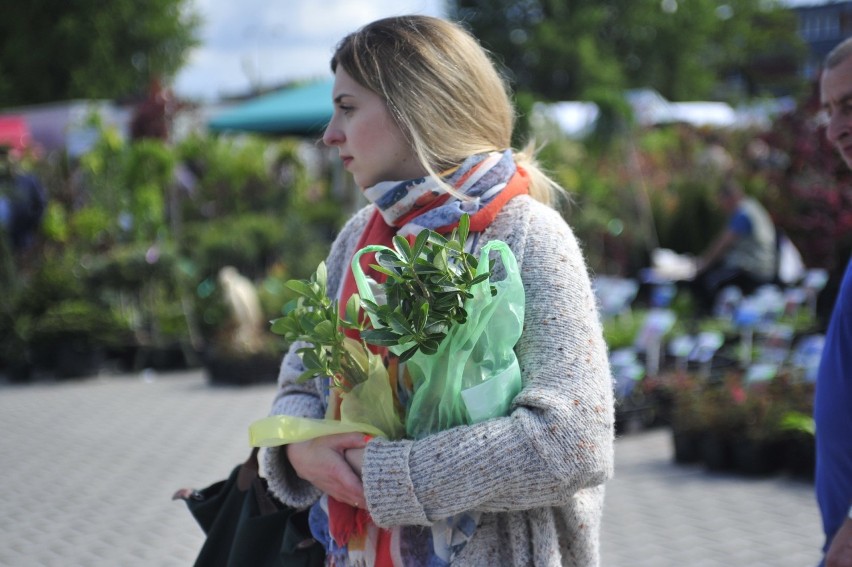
22,202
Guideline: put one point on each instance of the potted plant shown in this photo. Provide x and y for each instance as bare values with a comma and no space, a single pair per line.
239,348
688,418
799,444
145,283
723,404
778,429
758,447
71,336
15,362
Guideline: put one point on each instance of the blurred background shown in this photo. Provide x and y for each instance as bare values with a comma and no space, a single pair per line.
162,177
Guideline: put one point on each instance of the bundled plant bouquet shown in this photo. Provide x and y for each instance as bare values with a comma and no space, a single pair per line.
438,311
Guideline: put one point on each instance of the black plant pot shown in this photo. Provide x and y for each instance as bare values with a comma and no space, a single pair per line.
717,451
756,457
162,358
76,361
800,456
663,403
123,358
17,371
687,446
227,369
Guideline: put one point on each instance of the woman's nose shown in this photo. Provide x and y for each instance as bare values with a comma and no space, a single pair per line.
332,135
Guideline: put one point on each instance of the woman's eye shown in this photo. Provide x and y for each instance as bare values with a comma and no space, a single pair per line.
345,109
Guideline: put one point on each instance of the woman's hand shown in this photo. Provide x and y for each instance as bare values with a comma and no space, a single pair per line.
355,458
323,463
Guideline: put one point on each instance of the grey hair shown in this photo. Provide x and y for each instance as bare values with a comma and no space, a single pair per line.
839,54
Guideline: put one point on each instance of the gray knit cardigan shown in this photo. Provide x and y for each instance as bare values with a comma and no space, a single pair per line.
537,474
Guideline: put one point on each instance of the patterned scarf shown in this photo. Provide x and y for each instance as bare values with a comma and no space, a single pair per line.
487,181
421,203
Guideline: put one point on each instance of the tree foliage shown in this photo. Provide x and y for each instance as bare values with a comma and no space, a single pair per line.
568,49
64,49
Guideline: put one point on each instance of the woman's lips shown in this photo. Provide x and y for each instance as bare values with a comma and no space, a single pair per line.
346,160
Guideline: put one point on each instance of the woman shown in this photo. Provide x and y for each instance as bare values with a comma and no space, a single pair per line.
423,122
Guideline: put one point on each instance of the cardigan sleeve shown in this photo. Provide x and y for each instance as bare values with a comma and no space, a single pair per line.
558,437
305,399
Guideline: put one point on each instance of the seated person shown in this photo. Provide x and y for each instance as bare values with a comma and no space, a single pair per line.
743,255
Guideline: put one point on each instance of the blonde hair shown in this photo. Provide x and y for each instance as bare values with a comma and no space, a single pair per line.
443,91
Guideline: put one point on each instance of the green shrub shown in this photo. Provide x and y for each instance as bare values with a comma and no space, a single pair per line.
132,266
82,322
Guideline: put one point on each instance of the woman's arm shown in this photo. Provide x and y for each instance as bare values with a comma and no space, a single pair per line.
717,249
305,399
558,436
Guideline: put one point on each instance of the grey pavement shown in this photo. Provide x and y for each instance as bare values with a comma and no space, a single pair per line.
89,466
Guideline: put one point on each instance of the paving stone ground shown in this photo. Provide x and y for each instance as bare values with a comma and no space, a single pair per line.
89,466
658,514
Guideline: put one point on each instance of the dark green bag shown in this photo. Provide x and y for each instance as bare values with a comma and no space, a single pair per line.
247,527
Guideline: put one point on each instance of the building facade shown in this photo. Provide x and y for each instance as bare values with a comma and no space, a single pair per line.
822,27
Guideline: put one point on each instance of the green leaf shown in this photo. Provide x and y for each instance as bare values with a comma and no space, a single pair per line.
454,246
479,278
437,239
301,287
380,337
353,308
464,228
419,244
285,326
312,361
421,316
446,303
393,263
399,323
438,328
358,353
383,270
325,331
408,353
422,267
279,326
306,375
440,261
290,306
308,320
321,276
404,248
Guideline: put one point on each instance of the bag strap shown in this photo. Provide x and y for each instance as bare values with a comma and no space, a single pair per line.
249,477
249,471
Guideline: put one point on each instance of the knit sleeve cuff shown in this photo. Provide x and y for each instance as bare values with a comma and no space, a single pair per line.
283,481
388,487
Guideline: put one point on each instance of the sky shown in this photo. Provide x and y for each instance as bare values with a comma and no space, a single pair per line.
266,43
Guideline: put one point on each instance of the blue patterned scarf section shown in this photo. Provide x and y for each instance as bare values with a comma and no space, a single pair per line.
479,179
